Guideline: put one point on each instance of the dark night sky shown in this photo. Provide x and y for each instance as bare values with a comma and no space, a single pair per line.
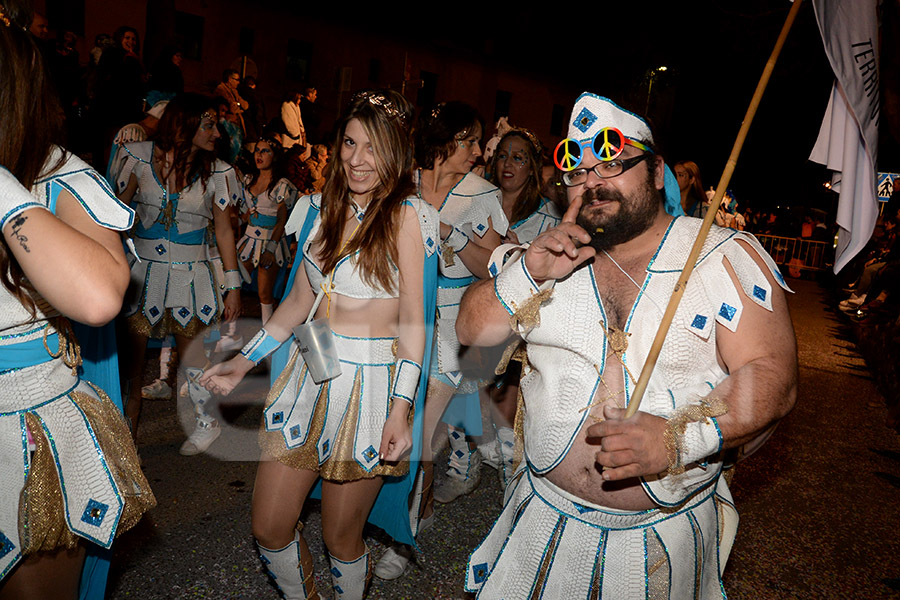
715,51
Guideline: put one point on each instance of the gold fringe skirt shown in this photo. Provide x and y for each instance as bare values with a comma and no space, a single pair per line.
42,522
341,465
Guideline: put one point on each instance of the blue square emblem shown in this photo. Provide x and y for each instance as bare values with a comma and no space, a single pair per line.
479,572
584,120
94,512
183,313
727,311
295,432
278,418
325,447
370,453
759,293
699,322
160,249
206,309
153,311
6,545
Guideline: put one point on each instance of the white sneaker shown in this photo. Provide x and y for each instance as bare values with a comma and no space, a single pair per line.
394,563
158,390
202,438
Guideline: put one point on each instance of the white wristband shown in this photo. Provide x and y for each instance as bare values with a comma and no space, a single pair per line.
457,240
232,280
260,346
406,380
702,439
503,254
515,286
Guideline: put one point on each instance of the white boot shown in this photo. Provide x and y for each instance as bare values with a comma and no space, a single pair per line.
463,472
207,428
350,579
286,568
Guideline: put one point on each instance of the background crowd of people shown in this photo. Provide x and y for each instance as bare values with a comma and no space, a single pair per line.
213,182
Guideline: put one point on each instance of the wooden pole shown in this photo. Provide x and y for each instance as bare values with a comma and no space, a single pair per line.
635,401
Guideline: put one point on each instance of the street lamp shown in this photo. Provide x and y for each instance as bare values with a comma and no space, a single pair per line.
654,73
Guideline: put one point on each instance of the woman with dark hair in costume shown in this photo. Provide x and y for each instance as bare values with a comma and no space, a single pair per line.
365,247
69,475
448,144
268,197
516,168
179,188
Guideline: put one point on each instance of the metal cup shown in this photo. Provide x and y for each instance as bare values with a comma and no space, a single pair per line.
316,342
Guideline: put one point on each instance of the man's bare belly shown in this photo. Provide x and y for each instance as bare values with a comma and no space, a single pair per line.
579,475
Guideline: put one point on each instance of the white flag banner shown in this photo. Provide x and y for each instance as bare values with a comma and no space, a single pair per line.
848,138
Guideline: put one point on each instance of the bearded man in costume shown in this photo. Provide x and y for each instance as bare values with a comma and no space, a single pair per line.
605,506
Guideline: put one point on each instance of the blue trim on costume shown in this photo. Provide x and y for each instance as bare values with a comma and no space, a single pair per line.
668,558
698,548
560,526
267,221
100,367
157,231
446,283
27,354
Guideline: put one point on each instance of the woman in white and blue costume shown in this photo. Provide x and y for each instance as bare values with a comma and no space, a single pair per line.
268,197
179,191
365,247
448,144
69,476
516,168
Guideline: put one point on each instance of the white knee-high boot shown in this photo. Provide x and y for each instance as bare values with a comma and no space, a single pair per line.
286,568
463,470
350,579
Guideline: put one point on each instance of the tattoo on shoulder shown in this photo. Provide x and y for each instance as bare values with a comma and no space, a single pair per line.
17,224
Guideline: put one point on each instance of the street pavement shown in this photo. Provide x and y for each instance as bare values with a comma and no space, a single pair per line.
818,503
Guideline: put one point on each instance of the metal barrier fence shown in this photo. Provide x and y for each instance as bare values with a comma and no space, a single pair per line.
795,253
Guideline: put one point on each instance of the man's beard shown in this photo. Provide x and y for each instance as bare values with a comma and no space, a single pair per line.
634,217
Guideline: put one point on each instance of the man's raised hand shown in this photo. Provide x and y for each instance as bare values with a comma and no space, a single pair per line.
558,251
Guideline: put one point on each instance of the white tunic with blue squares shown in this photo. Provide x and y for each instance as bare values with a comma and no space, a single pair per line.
173,273
548,545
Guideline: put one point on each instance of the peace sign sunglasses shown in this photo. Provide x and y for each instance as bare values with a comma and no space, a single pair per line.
607,144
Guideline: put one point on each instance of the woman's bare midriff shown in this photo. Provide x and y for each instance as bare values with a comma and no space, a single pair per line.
361,317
